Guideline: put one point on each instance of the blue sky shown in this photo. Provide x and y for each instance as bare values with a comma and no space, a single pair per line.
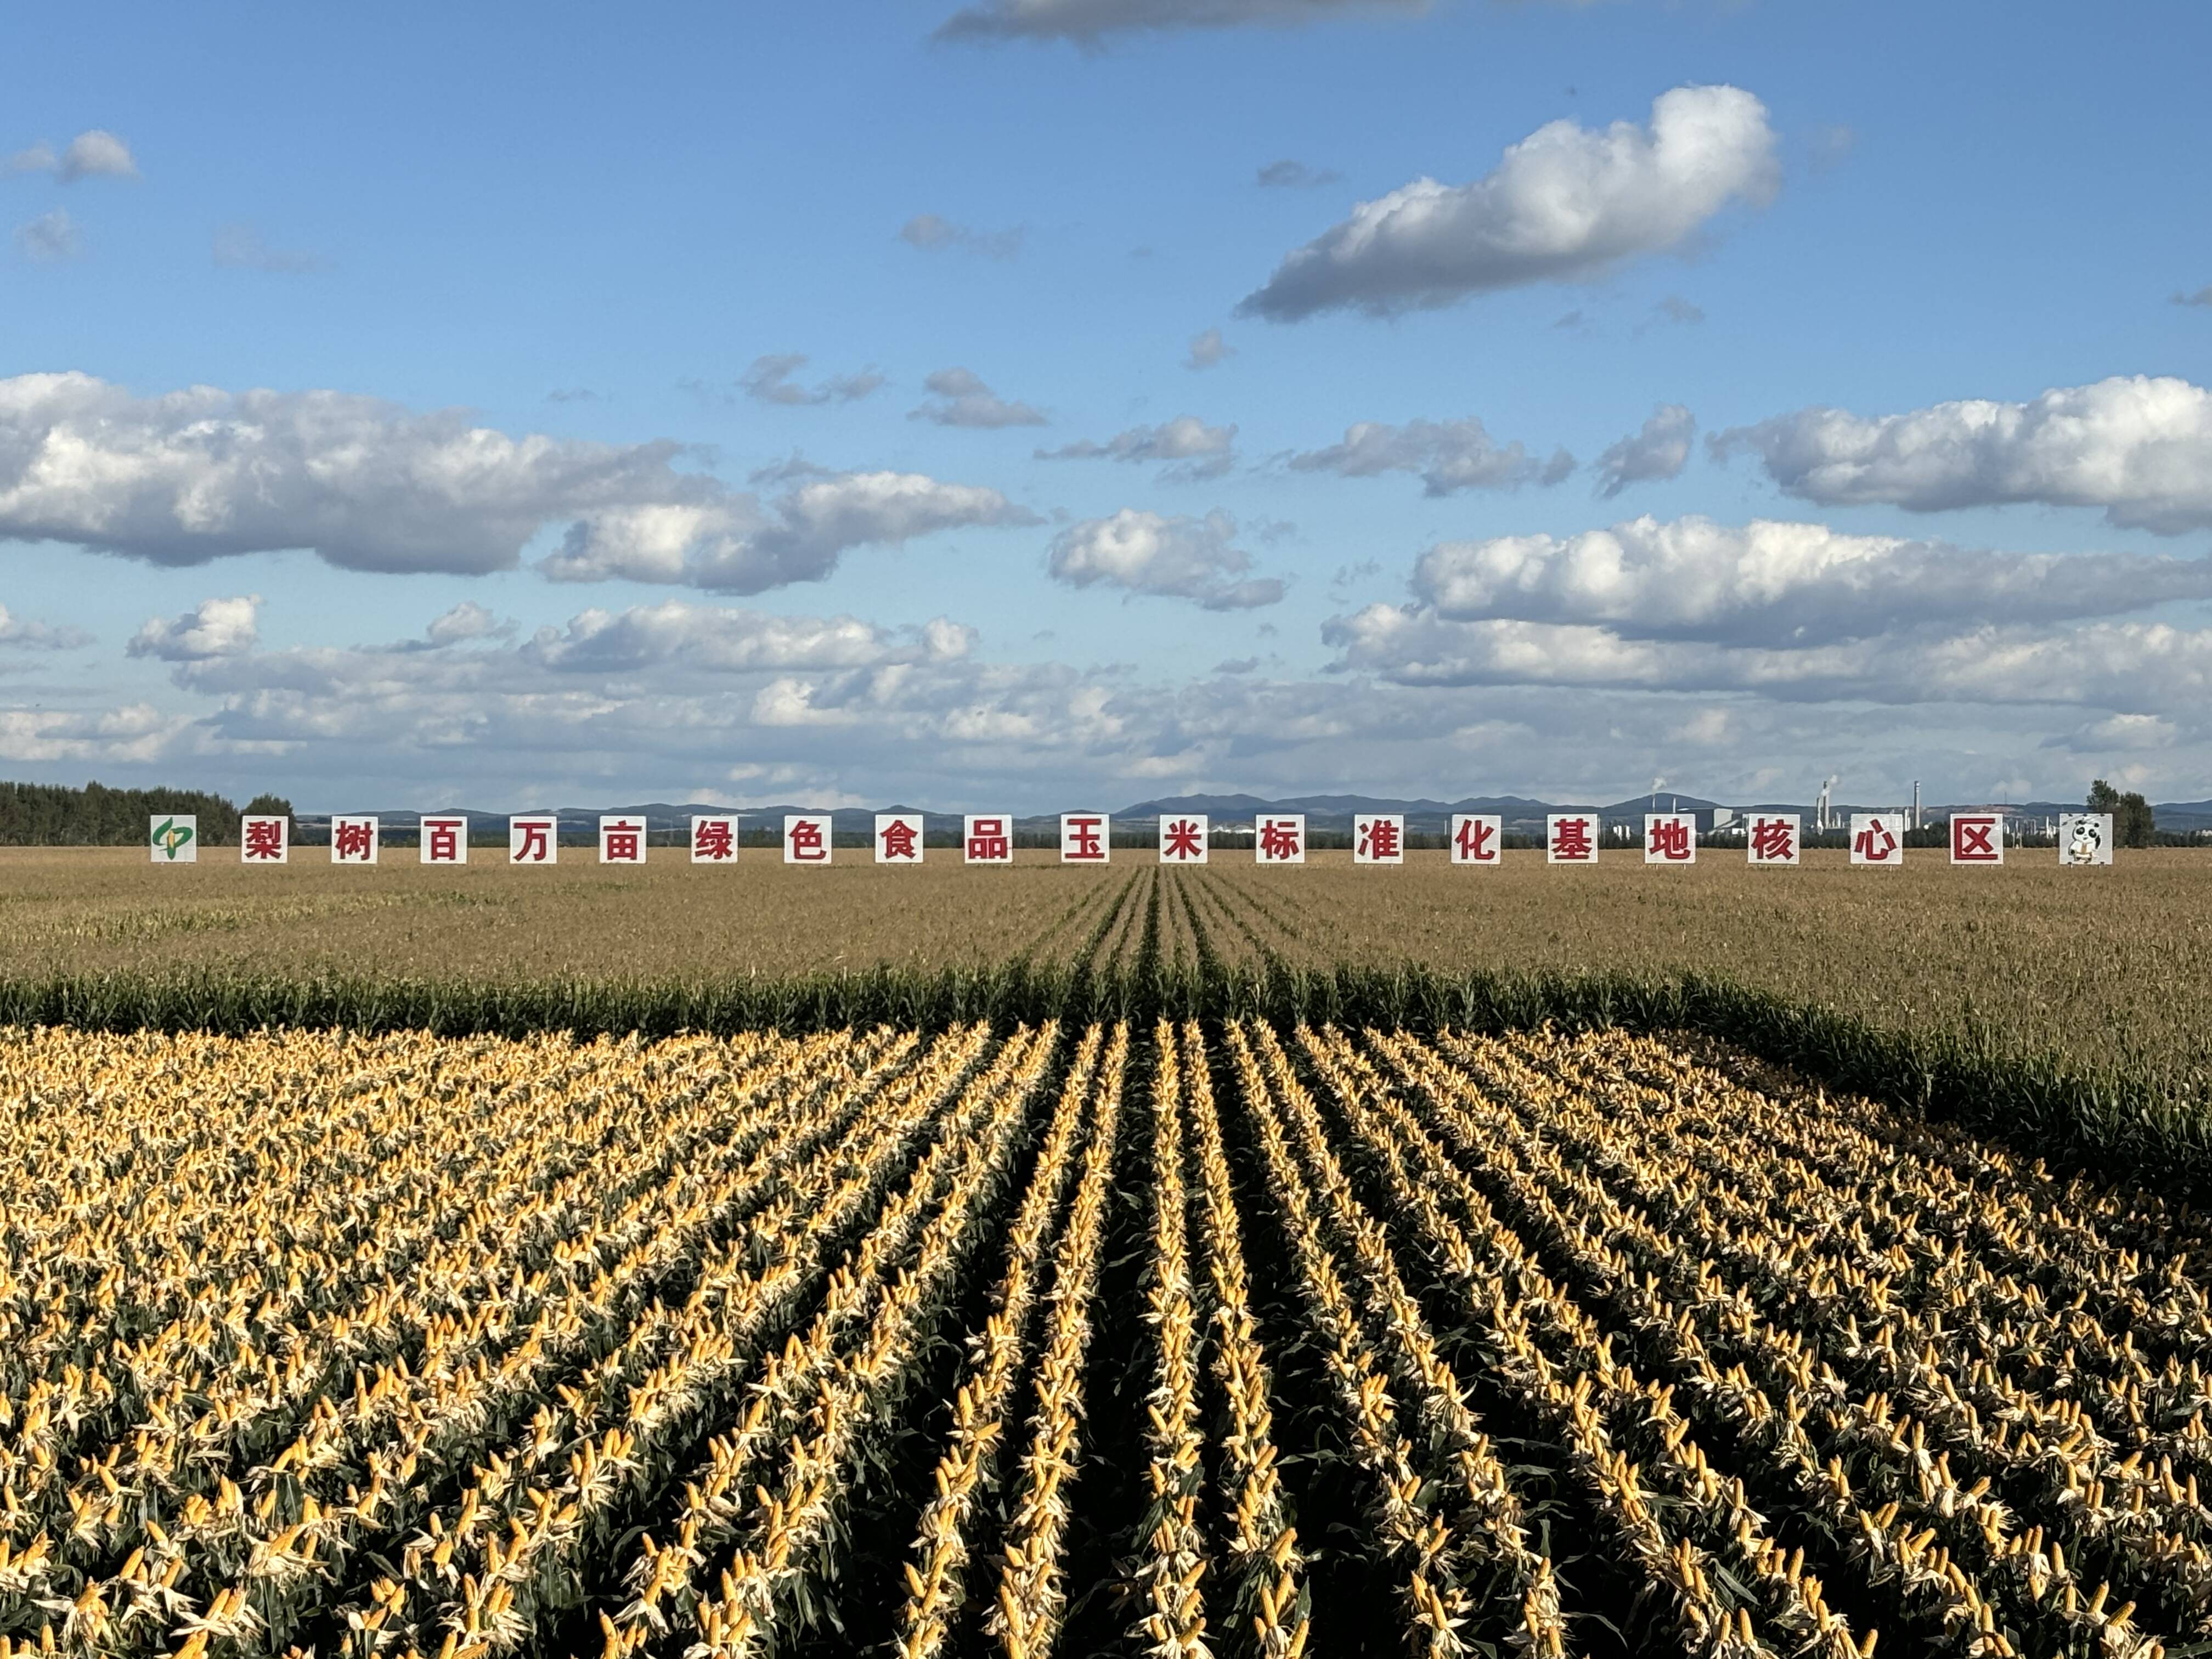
478,300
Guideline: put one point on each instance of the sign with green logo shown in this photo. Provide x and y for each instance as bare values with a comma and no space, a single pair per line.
176,839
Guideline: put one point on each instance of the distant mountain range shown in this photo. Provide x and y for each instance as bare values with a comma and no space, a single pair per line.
1322,812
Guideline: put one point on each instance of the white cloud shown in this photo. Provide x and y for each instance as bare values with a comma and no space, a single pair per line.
932,234
1287,174
36,158
16,633
50,239
240,246
1142,552
2118,733
1090,20
467,621
214,628
1781,583
769,381
1206,452
735,546
192,475
96,154
135,732
2138,447
1449,455
1660,450
1565,202
962,399
1209,350
736,642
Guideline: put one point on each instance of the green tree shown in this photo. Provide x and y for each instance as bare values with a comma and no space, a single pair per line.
266,805
2132,819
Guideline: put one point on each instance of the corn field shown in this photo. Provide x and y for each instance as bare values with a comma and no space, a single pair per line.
1247,1338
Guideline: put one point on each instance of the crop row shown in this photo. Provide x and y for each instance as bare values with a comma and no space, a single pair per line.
1243,1340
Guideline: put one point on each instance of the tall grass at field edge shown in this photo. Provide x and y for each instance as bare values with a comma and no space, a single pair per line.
2146,1126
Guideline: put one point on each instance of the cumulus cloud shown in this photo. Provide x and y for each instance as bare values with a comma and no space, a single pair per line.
51,238
1448,455
1780,584
737,641
214,628
21,634
192,476
93,154
1208,350
932,234
1660,450
1296,175
962,399
1091,20
135,732
2134,667
2201,297
1182,558
1204,452
240,246
96,154
466,622
769,381
736,545
1566,201
2139,446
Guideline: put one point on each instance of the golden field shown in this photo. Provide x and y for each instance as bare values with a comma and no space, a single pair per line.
2105,966
1258,1341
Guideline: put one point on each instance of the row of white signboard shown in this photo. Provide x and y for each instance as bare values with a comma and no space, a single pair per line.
1877,839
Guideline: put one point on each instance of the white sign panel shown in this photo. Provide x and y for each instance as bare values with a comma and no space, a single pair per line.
174,838
1771,838
987,838
1570,838
1279,838
806,838
1478,838
264,839
622,840
1184,838
353,840
533,840
1378,838
2085,838
898,837
1878,839
1670,838
1085,837
1978,838
714,839
444,840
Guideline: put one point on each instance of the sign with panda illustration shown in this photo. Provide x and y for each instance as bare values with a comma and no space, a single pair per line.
2085,837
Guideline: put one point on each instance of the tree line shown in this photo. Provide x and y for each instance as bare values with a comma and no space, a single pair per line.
55,815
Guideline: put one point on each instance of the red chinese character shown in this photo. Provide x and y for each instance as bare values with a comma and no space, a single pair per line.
445,841
898,839
1182,842
1378,839
1474,839
533,849
1875,844
1570,840
1670,839
1083,833
711,839
805,842
1969,838
990,843
264,838
1279,839
1773,841
620,842
356,839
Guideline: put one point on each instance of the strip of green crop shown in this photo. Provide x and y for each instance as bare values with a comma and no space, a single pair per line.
2112,1123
